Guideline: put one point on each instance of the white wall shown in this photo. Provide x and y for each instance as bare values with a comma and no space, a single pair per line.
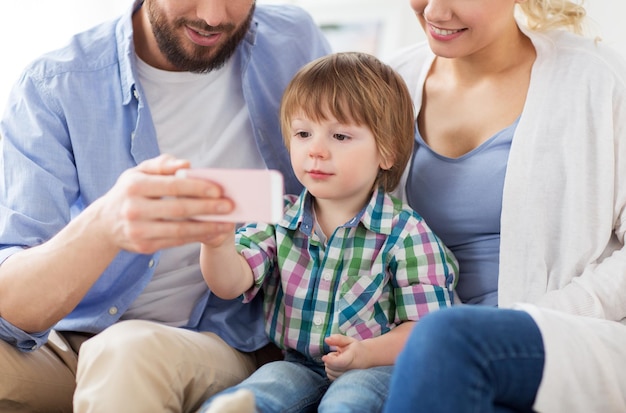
608,16
31,27
392,22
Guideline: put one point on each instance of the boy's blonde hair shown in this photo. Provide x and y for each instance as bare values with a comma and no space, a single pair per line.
544,15
356,88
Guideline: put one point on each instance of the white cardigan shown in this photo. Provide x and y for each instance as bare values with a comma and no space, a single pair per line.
564,216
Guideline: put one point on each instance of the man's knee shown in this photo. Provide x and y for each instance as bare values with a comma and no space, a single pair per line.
127,335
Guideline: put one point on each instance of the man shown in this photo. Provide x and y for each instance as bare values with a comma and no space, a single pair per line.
98,250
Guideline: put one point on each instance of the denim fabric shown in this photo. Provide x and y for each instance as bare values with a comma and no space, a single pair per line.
300,385
469,359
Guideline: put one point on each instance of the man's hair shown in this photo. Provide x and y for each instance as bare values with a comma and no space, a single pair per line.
356,88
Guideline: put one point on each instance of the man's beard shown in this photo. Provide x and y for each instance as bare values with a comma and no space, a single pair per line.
197,61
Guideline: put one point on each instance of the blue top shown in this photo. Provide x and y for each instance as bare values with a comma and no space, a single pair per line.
77,119
461,200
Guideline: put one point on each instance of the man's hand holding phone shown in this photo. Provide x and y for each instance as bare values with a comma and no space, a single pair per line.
257,194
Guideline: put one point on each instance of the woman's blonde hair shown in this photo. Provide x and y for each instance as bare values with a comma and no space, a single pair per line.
358,88
544,15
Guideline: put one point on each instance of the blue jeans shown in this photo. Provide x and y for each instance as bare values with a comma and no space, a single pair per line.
469,359
299,385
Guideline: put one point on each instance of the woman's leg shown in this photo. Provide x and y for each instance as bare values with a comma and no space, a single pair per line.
358,391
469,359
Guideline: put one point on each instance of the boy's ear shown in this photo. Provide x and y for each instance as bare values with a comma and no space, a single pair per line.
386,163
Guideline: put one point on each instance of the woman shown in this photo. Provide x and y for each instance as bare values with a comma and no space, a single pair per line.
520,168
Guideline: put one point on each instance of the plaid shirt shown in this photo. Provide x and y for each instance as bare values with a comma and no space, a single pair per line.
383,267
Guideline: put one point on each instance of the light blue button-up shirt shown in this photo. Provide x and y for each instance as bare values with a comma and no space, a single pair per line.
77,119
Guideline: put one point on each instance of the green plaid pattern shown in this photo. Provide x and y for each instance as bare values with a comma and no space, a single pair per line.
383,267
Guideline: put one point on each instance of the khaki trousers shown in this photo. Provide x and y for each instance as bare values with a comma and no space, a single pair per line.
133,366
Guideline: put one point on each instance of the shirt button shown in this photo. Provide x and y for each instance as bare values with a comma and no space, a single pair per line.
136,94
151,264
327,276
113,310
317,320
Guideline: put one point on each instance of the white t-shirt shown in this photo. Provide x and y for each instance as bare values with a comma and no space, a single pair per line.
202,118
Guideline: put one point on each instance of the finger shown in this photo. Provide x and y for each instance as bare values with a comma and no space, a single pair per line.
136,183
150,236
337,362
338,340
329,364
332,374
174,208
164,164
328,357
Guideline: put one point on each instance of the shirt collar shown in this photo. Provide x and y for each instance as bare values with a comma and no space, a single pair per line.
126,51
377,215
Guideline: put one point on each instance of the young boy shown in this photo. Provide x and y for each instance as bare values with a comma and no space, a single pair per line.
349,269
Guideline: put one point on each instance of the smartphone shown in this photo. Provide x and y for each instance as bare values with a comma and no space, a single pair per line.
256,193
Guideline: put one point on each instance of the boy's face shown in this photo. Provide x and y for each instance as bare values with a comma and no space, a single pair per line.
196,36
332,160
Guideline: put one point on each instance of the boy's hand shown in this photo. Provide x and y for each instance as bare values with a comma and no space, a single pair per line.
349,351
